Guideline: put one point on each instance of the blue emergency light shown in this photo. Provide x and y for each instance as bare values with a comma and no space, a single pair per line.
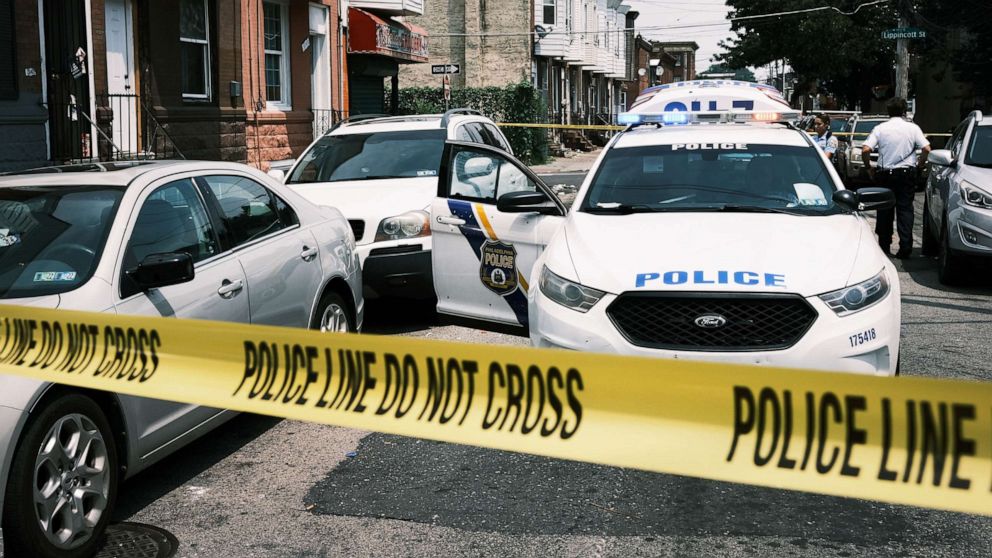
678,118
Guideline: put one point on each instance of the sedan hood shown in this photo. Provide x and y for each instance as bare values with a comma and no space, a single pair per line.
719,252
372,200
47,301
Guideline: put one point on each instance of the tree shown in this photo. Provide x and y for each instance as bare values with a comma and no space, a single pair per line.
842,54
742,74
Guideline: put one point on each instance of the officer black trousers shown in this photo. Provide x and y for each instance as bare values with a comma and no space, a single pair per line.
900,181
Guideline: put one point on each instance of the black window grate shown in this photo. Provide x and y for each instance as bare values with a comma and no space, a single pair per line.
357,228
750,322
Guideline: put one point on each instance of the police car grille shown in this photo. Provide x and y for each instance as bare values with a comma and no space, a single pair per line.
357,227
753,322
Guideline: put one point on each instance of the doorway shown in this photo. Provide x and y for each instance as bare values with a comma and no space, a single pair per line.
122,92
67,79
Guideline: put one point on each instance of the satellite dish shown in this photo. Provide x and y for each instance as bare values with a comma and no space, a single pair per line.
542,31
642,72
658,71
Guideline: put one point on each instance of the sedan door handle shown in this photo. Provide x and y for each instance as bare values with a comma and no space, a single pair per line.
230,288
450,220
308,254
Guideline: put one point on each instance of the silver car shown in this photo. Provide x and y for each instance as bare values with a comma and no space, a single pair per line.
204,240
957,213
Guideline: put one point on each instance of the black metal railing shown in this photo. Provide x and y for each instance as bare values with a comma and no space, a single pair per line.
325,119
126,129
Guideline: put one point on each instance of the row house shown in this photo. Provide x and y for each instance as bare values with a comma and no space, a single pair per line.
237,80
581,54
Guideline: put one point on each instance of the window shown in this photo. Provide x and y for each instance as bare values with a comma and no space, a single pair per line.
249,210
194,53
549,12
486,176
276,55
375,156
8,63
496,138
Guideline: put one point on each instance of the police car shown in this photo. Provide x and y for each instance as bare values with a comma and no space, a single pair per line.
711,228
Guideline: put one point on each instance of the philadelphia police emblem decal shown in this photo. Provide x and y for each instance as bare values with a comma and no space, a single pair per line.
499,267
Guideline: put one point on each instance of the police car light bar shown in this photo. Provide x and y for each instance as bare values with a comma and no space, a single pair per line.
699,117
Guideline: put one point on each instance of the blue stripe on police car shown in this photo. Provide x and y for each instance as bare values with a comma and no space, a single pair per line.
720,277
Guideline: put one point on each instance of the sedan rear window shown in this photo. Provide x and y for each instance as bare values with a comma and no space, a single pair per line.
51,238
381,155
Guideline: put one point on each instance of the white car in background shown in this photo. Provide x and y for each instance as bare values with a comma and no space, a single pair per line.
200,240
381,172
720,235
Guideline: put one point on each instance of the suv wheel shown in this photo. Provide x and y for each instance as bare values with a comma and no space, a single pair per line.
63,481
930,240
950,266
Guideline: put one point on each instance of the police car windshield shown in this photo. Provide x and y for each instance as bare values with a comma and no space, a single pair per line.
980,151
51,237
712,177
374,156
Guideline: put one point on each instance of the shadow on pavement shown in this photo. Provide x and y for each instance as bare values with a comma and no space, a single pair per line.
482,490
385,316
177,469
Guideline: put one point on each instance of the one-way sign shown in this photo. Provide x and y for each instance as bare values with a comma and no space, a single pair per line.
446,68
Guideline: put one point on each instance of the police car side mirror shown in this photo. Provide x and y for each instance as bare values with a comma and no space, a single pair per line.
941,157
525,202
277,174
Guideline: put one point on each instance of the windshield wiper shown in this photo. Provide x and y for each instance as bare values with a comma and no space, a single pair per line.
370,177
619,209
736,208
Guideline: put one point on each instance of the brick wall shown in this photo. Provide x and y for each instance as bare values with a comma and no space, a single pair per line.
485,61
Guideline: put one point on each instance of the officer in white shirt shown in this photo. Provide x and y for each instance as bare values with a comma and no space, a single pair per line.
824,137
897,141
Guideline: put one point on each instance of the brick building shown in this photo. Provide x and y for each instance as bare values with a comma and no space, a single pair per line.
237,80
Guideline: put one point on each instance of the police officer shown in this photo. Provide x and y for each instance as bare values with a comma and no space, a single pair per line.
824,137
897,141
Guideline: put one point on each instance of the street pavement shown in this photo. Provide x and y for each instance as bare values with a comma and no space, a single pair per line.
263,487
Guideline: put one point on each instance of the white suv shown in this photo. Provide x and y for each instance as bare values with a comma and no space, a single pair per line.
382,173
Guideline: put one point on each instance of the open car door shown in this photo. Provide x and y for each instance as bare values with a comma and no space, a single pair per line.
490,221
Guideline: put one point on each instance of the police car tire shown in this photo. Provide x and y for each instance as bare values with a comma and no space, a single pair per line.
949,265
930,241
22,534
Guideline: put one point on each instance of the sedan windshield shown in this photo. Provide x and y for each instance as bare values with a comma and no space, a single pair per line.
380,155
712,177
980,151
51,237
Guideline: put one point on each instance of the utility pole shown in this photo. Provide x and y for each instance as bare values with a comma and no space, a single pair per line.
902,59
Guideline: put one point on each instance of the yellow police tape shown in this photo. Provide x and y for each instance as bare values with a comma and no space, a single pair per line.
915,441
607,127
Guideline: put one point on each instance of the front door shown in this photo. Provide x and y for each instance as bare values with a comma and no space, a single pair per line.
67,64
173,218
483,251
122,98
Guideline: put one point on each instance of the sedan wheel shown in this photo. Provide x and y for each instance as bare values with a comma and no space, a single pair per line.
950,267
63,481
333,315
930,240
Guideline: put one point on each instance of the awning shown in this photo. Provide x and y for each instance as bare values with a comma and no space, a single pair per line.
371,34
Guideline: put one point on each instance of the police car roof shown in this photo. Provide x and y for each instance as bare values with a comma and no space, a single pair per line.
773,134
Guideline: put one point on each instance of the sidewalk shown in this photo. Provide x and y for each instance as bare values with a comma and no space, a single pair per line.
580,162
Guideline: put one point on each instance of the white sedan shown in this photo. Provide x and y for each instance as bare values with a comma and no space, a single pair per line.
201,240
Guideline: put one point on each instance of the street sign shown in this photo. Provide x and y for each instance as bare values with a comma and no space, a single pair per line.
446,68
904,33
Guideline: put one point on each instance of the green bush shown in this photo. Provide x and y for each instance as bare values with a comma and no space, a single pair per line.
513,103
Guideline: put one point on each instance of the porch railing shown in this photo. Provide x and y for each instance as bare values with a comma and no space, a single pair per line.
325,119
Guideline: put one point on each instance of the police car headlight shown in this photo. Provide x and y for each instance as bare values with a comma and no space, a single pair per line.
858,297
975,196
408,225
567,293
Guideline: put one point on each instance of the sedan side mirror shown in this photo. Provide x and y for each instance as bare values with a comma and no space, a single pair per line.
162,270
525,202
941,157
866,199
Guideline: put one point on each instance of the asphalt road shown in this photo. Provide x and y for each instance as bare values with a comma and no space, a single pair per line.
268,488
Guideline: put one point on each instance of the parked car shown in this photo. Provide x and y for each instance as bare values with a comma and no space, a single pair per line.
853,170
202,240
957,211
381,171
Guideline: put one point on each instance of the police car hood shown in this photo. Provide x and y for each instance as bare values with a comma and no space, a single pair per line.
372,200
739,252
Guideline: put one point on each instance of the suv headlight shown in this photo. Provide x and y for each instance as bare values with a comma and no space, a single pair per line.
568,293
975,196
856,155
411,224
858,297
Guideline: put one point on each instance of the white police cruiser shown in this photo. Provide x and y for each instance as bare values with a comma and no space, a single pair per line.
711,228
